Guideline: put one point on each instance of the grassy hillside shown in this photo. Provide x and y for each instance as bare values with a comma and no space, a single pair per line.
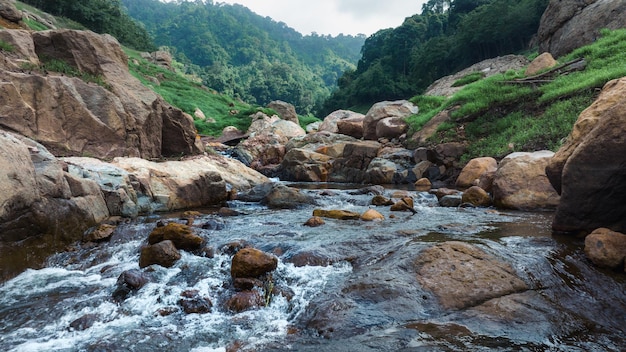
500,114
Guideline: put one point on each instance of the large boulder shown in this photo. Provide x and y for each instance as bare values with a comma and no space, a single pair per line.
69,116
461,275
182,236
588,170
331,122
43,206
567,25
474,169
163,253
9,11
252,263
305,165
400,109
521,182
284,110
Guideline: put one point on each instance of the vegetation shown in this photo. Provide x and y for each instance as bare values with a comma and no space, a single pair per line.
259,62
4,46
446,37
500,114
100,16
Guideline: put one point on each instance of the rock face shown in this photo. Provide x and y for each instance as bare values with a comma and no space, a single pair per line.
461,275
567,25
588,170
443,86
606,248
72,117
41,202
521,182
390,115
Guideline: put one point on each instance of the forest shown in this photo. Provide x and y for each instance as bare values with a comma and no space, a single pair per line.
446,37
247,56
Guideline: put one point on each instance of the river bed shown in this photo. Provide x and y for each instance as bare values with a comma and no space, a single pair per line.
364,297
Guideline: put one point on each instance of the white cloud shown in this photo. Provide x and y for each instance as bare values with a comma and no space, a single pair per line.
334,17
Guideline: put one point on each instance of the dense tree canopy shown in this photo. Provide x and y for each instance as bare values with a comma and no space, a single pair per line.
260,61
100,16
447,36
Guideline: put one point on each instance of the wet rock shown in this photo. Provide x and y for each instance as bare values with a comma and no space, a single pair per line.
163,253
314,221
245,300
376,190
246,283
451,201
129,281
213,224
404,204
227,212
474,169
181,235
476,196
283,197
84,322
101,233
192,302
336,214
461,275
330,317
233,247
442,192
256,193
423,185
588,169
252,263
372,215
521,182
380,200
309,259
606,248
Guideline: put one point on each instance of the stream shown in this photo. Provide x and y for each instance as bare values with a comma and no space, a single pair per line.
362,295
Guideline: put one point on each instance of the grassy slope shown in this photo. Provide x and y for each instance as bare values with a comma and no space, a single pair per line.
495,117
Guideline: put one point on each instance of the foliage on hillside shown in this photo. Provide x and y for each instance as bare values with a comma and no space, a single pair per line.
258,62
447,36
100,16
499,114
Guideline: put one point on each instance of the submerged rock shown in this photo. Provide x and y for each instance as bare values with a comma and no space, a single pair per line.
129,281
372,215
192,302
336,214
245,300
314,221
462,275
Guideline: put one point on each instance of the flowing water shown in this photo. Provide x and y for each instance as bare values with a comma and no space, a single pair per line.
366,299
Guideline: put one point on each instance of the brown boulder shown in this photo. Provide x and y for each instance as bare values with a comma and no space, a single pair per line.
404,204
351,126
9,11
285,110
101,233
380,200
462,275
476,196
474,169
163,253
540,63
588,169
423,185
387,109
305,165
391,127
567,25
372,215
606,248
252,263
181,235
521,182
331,122
336,214
314,221
192,302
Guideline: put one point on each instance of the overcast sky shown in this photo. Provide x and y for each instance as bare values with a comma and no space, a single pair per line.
335,16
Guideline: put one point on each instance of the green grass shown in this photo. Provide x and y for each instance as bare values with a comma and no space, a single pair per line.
34,25
62,67
187,94
469,78
428,106
499,117
4,46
